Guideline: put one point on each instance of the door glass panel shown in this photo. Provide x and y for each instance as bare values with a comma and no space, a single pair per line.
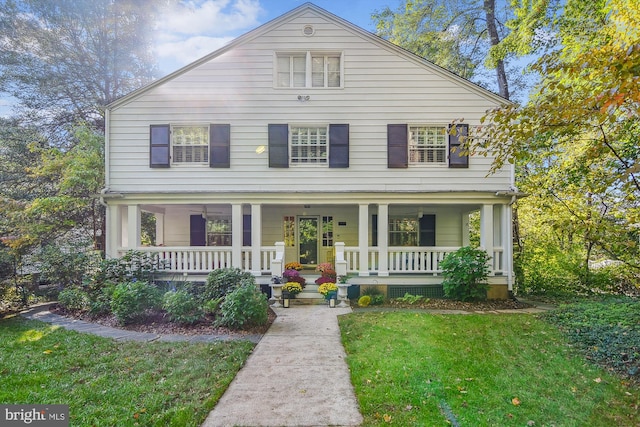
308,240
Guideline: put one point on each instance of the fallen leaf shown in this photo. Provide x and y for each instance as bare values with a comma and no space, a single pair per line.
48,351
531,423
598,380
515,401
386,418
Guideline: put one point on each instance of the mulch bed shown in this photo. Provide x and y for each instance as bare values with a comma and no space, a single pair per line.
159,323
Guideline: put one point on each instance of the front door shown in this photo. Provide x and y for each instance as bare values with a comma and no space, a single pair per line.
308,240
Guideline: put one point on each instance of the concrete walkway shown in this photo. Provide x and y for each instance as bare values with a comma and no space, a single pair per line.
296,376
41,312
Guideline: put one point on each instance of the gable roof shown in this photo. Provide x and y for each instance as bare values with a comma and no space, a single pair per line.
346,25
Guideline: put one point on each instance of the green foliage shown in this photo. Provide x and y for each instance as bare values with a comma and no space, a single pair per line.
65,267
608,331
410,299
244,307
377,297
133,265
74,299
131,300
100,299
182,307
222,281
364,301
465,273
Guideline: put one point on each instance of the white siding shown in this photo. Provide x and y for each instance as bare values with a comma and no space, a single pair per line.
380,87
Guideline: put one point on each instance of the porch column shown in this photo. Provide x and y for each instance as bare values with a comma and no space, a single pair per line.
159,229
466,241
363,239
507,244
236,236
256,239
133,227
113,239
486,231
383,240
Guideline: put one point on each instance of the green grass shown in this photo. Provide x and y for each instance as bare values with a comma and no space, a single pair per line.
419,369
108,383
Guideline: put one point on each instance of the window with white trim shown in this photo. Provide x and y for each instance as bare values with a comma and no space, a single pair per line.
219,231
309,145
309,69
190,144
428,145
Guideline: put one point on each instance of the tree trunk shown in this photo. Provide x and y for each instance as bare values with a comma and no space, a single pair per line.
494,39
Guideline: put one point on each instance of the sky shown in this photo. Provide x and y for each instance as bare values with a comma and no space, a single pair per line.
192,29
195,28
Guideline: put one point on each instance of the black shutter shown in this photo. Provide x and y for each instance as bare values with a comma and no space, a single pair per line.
456,159
397,152
428,230
198,230
278,146
219,146
339,146
246,230
159,146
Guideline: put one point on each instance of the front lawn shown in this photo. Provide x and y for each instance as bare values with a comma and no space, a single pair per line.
420,369
109,383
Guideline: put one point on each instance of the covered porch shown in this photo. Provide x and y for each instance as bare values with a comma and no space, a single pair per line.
401,241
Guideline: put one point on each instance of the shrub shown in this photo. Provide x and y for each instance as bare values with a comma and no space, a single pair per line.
63,267
411,299
364,301
132,266
377,297
74,299
101,299
131,300
465,273
244,307
222,281
182,307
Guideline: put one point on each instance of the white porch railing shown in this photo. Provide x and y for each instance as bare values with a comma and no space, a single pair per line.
412,259
203,259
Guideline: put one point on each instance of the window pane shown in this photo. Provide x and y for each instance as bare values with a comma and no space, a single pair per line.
427,144
309,145
333,71
190,144
317,77
299,66
284,72
219,231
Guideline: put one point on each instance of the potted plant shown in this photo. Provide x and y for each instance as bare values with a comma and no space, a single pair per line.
328,290
292,288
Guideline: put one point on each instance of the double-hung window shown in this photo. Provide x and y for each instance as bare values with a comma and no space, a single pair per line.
309,145
190,144
309,70
428,145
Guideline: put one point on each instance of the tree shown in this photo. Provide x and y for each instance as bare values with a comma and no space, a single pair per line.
578,133
454,34
75,177
65,60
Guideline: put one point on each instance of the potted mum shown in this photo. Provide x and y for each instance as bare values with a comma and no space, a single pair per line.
328,290
292,288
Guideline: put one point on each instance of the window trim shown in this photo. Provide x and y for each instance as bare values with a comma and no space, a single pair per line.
308,54
445,146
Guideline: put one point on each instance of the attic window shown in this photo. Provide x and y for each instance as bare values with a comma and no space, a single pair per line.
308,30
308,69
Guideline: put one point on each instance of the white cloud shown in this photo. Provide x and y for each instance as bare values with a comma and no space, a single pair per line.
191,29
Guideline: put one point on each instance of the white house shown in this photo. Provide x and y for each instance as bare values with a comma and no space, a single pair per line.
307,139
